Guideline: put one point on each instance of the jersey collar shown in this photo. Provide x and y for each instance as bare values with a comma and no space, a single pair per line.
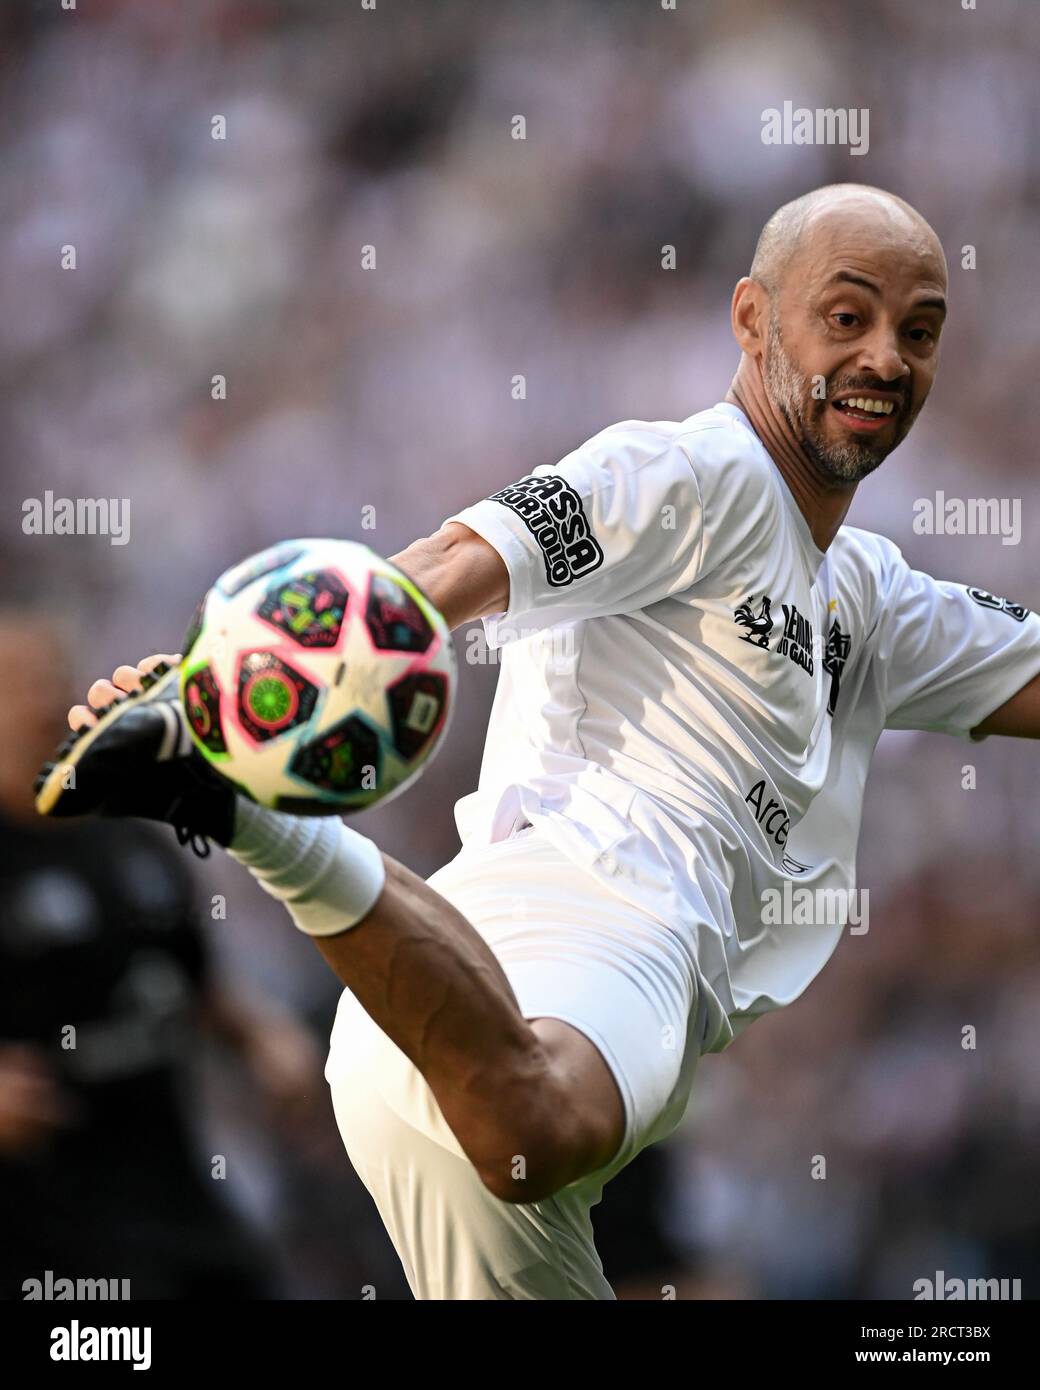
813,552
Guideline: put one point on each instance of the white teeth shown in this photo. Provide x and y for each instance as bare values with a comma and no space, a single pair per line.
867,403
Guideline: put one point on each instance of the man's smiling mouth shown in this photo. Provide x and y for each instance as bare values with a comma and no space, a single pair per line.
865,410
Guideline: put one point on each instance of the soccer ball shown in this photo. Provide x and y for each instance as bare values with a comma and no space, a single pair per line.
317,678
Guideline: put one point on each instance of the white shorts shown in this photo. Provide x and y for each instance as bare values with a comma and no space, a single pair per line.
572,950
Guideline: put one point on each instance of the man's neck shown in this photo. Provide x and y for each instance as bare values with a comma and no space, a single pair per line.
824,503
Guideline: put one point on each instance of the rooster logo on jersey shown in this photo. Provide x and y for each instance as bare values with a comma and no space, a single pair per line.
759,625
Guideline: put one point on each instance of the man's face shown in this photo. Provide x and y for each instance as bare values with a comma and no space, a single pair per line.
857,317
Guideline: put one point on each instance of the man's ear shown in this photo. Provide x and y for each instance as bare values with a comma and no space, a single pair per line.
749,316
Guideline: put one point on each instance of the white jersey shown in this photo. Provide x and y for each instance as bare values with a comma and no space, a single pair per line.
690,691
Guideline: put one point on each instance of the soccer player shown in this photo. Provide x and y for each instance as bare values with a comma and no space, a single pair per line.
698,661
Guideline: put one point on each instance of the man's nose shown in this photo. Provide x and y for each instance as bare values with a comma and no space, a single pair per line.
882,356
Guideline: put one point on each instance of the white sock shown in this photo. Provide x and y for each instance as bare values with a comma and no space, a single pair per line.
327,876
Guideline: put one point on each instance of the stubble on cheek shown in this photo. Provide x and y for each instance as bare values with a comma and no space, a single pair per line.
832,449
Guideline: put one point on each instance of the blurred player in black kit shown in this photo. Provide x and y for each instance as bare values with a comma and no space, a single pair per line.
99,933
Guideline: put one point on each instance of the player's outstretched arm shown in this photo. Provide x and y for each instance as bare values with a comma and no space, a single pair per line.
459,572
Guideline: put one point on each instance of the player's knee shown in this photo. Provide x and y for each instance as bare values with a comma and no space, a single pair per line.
540,1147
531,1164
555,1115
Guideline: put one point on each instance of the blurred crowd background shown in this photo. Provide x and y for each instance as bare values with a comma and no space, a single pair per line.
393,388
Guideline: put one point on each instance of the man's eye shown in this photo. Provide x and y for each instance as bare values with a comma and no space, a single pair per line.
847,320
921,335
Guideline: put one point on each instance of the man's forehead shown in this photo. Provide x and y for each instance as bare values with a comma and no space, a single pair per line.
875,241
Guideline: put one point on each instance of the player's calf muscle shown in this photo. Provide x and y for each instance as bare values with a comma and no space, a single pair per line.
426,977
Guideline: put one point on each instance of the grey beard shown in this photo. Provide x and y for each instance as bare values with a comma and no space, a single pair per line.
788,387
850,462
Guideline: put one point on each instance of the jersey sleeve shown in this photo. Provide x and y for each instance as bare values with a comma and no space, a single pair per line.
950,654
615,526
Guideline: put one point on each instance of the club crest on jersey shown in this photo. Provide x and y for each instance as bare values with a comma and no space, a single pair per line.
759,625
796,637
835,655
1002,605
552,512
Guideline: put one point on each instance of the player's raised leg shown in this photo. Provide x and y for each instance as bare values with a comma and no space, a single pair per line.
508,1087
455,1239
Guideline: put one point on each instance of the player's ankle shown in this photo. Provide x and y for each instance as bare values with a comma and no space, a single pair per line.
328,876
259,834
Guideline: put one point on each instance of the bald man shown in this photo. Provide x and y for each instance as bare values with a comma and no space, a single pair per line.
698,660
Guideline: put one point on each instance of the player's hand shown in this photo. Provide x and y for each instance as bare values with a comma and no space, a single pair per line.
32,1105
103,692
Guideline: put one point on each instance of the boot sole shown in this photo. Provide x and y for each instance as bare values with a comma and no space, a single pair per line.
77,745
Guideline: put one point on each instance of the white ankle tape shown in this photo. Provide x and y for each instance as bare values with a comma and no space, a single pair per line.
327,876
